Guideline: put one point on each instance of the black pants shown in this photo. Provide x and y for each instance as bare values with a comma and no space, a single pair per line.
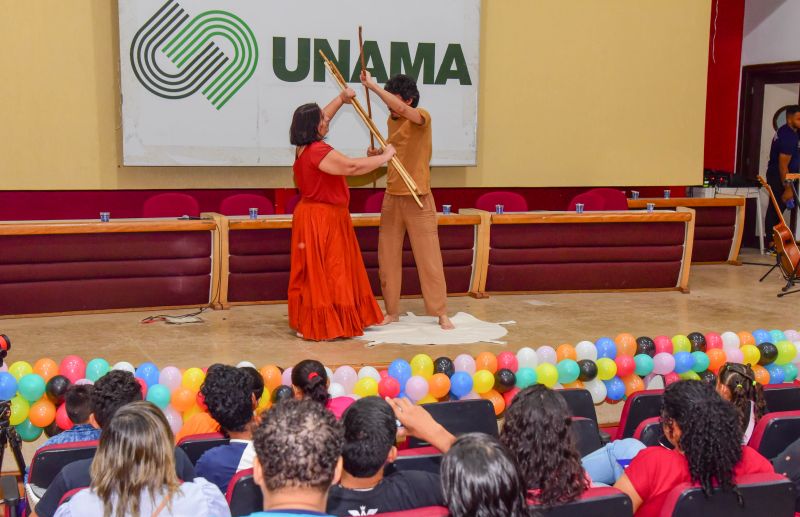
771,219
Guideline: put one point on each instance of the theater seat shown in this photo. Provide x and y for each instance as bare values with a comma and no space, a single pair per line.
243,494
764,494
462,416
613,199
782,397
591,202
195,445
587,435
580,404
774,432
511,201
427,511
291,203
69,494
374,203
172,204
48,461
595,502
649,431
639,406
430,462
240,204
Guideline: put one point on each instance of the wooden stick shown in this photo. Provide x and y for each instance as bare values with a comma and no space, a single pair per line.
401,170
366,92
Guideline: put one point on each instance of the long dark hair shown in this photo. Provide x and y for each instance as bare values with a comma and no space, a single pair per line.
741,382
312,379
481,479
305,124
537,432
711,437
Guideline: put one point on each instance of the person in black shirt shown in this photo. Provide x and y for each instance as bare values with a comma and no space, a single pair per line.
370,435
784,158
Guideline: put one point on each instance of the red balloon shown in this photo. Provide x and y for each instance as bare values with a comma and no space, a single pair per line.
73,368
507,360
201,402
383,373
663,344
713,340
143,387
389,387
670,378
62,420
625,365
509,395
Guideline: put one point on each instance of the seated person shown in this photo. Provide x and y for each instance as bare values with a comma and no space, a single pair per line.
310,380
370,431
737,384
78,401
298,445
133,473
111,392
480,477
705,431
787,463
257,381
231,402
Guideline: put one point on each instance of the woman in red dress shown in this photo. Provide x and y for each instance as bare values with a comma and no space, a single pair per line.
329,292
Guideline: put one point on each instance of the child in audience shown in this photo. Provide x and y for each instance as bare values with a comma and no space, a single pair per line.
133,473
231,402
310,380
202,422
370,431
705,431
737,384
78,401
481,479
298,445
256,379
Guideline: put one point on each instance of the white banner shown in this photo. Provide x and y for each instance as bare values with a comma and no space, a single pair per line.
211,82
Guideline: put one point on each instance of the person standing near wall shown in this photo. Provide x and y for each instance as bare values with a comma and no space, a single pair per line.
784,158
410,134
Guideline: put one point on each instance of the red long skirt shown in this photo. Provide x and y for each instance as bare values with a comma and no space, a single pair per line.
329,292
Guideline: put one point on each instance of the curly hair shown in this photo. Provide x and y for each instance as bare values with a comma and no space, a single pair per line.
741,382
537,432
298,444
481,479
711,437
311,378
405,87
256,379
112,391
228,393
370,431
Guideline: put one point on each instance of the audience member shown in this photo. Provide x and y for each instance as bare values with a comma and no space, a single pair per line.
737,384
481,479
256,379
231,402
133,473
78,401
370,432
707,438
298,445
310,380
202,422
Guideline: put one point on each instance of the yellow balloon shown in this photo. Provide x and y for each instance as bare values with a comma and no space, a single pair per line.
20,369
482,381
366,387
606,369
265,402
422,365
427,399
189,413
547,374
193,378
19,410
750,354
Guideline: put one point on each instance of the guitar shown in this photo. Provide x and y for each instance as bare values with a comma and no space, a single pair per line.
785,245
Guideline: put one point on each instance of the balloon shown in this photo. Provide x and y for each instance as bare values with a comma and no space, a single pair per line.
606,348
286,377
422,365
625,365
761,336
690,375
52,429
708,377
80,382
335,390
697,341
671,378
566,351
400,370
776,335
383,373
588,370
182,399
148,372
193,378
284,392
644,364
586,351
31,387
42,413
762,375
663,363
486,361
713,340
56,388
504,380
746,338
508,396
683,362
626,344
507,361
791,335
142,387
174,418
245,364
159,395
525,377
73,368
716,358
8,386
769,353
681,343
460,384
346,376
568,371
615,388
646,346
427,399
606,368
62,419
730,340
20,369
546,354
444,365
750,354
598,390
369,372
366,387
789,372
125,366
574,385
654,382
633,383
46,368
462,363
776,373
388,387
701,361
547,374
734,356
527,358
170,377
417,387
786,352
663,345
27,431
98,367
483,381
272,376
439,385
19,410
497,401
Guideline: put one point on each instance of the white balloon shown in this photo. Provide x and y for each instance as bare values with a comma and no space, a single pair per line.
547,354
656,383
730,340
527,358
558,386
243,364
336,390
329,372
124,366
369,371
585,350
597,389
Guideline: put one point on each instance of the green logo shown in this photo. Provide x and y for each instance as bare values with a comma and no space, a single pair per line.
188,43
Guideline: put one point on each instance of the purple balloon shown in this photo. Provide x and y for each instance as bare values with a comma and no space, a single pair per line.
663,363
464,363
346,376
286,377
416,388
170,377
174,419
791,335
734,355
546,354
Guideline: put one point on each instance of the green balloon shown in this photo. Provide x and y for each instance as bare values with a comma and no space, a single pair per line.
525,377
159,395
786,352
19,410
96,368
31,387
568,371
27,431
644,364
691,375
681,343
790,372
547,374
701,361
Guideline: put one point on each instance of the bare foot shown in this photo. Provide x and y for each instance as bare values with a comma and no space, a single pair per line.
445,323
389,319
299,335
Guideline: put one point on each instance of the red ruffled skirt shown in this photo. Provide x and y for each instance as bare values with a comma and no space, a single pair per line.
329,292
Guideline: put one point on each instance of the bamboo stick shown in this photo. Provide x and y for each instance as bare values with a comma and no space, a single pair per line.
366,92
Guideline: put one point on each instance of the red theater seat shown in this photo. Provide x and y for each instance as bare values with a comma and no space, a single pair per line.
170,204
48,461
649,431
774,432
374,203
511,201
613,199
197,444
591,202
597,502
462,416
240,204
291,203
782,397
638,407
587,435
243,494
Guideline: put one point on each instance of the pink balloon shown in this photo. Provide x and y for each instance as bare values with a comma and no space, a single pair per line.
170,377
465,363
4,368
663,363
416,388
174,419
663,344
383,373
73,368
507,360
62,419
734,355
346,376
791,335
670,378
713,340
286,376
625,365
470,396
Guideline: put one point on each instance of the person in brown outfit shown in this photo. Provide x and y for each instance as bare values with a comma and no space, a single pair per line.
410,134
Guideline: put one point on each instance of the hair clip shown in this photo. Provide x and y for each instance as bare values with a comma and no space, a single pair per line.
312,375
739,386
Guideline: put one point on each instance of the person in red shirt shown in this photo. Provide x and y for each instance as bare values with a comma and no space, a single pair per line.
706,435
329,292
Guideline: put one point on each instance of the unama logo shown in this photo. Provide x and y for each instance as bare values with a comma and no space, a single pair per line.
190,44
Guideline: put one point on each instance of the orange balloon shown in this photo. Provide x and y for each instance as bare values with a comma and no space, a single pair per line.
497,401
746,338
626,344
566,351
633,383
486,361
272,376
762,375
183,399
195,409
47,368
42,413
576,384
438,385
716,358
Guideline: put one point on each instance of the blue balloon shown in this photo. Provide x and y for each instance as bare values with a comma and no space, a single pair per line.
683,362
762,336
606,348
460,384
400,370
148,372
776,336
776,373
615,388
8,386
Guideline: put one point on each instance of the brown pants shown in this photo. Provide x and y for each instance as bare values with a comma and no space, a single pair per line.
400,214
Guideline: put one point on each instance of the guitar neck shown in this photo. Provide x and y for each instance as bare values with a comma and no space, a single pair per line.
774,202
